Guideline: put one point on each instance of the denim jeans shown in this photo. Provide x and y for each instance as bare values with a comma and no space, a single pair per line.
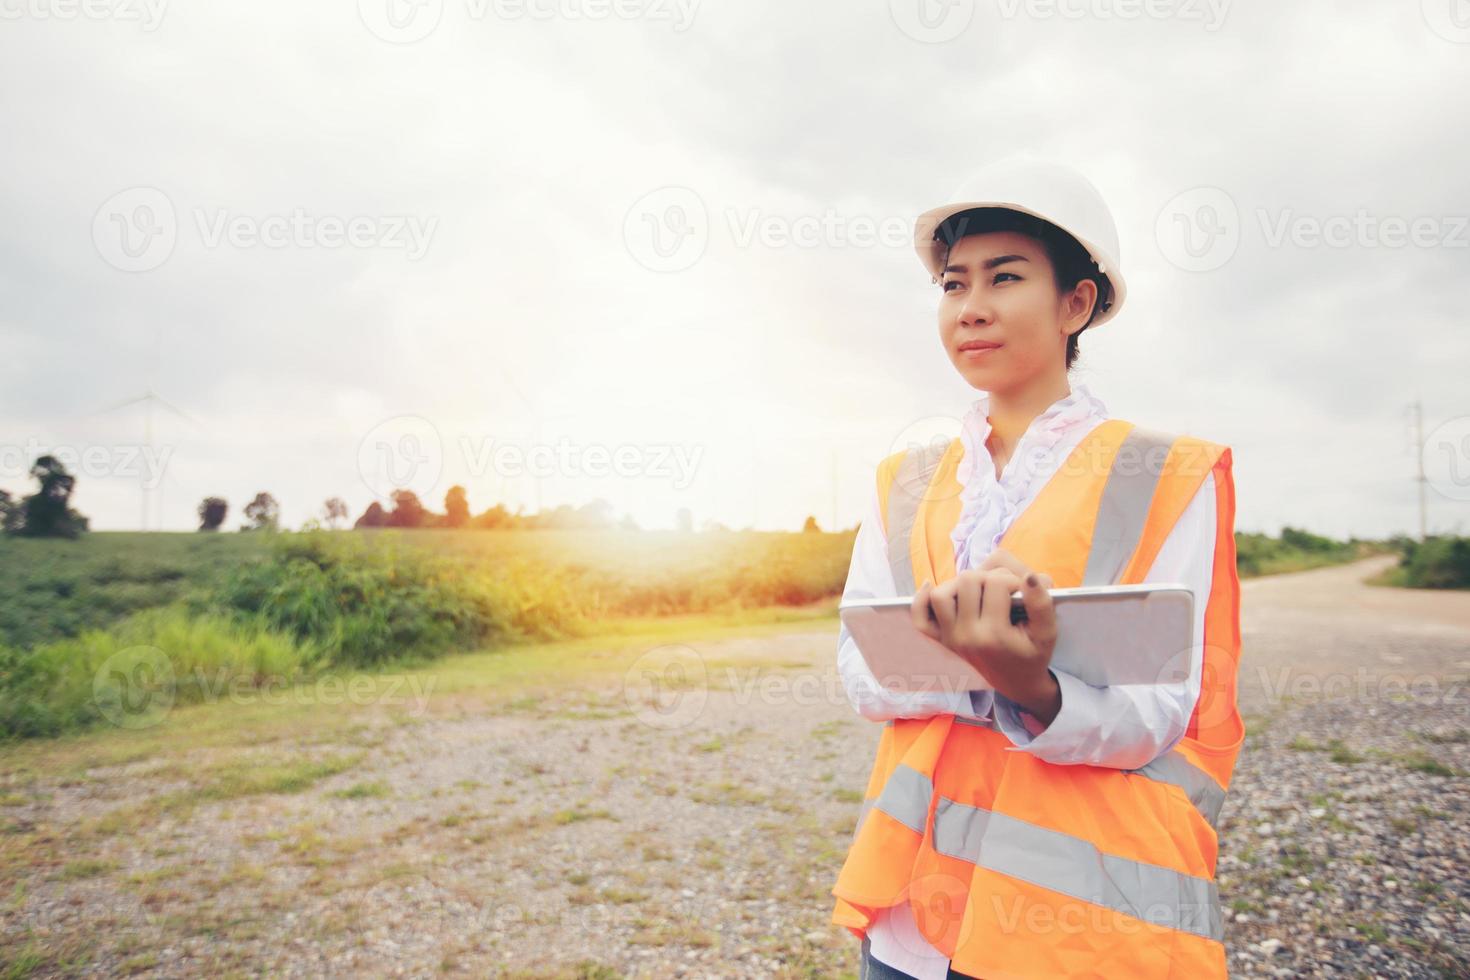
871,969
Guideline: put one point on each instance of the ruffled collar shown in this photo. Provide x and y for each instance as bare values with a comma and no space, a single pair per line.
989,505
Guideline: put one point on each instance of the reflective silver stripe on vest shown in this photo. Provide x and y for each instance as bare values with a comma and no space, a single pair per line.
1173,768
1123,510
862,815
1075,867
906,796
909,490
985,722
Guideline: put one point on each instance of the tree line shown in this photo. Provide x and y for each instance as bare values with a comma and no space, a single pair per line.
48,512
406,510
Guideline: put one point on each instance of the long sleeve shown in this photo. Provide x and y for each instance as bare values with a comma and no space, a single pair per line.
869,576
1125,726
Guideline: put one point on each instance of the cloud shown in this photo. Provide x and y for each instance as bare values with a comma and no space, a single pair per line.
528,140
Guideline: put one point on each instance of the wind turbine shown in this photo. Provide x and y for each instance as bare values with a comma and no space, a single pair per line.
148,399
536,414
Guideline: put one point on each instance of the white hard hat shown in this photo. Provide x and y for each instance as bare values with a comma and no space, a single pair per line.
1050,191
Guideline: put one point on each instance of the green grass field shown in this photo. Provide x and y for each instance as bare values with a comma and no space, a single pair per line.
87,624
54,589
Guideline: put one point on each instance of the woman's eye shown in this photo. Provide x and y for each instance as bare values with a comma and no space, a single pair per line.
1011,274
951,282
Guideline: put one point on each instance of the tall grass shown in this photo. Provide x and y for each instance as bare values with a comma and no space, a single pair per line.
85,623
369,600
1437,562
53,589
155,657
285,606
541,583
1296,550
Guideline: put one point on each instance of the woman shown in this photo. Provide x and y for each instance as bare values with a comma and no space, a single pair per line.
1050,827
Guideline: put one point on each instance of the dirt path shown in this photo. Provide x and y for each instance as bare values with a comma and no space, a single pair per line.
611,831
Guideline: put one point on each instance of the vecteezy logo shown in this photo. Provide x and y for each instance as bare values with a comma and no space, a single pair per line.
1199,230
925,441
402,453
667,230
401,21
937,900
135,230
1447,458
667,687
1450,19
134,688
932,21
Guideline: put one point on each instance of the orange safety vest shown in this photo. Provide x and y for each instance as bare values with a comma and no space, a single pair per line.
1017,867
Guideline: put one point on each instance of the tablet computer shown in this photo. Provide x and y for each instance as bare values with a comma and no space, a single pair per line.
1106,634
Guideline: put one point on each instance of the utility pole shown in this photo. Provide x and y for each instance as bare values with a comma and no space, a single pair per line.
755,489
1419,462
147,441
833,525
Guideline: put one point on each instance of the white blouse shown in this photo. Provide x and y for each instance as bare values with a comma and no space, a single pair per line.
1120,726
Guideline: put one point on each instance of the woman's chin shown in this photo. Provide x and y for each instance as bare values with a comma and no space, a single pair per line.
978,377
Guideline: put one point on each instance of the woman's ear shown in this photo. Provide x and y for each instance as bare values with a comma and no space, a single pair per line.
1078,307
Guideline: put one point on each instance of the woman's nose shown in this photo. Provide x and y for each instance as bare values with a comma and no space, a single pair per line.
976,309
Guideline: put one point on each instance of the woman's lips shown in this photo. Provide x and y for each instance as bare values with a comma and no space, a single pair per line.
977,352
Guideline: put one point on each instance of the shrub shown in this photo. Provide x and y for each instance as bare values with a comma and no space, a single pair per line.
1437,562
363,603
164,655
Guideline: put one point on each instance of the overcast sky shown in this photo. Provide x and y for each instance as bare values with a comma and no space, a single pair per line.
363,245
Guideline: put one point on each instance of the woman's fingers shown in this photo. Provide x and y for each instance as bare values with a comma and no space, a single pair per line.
976,597
968,586
942,601
1041,613
996,611
924,621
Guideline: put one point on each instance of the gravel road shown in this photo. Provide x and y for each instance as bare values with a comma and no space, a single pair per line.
608,830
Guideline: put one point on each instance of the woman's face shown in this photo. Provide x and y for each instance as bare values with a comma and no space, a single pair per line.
1000,318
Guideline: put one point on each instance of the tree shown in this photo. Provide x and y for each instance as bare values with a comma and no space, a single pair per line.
496,516
10,513
47,512
684,519
597,513
456,507
811,524
335,509
407,510
374,516
212,512
264,513
1306,541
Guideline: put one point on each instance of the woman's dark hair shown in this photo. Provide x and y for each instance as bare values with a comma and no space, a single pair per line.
1069,259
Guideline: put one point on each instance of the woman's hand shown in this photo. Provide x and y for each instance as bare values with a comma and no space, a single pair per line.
971,615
